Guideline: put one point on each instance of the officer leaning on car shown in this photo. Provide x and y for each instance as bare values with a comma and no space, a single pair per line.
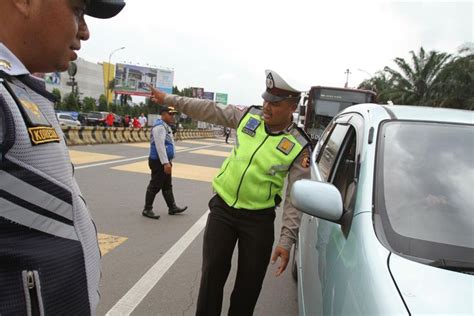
269,146
49,255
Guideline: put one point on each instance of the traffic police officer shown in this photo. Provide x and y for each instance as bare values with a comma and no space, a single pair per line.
269,146
162,152
49,255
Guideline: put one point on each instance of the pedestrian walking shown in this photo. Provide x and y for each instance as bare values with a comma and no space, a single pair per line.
227,134
162,152
248,189
49,254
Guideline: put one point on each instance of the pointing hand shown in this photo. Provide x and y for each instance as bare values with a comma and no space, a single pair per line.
157,96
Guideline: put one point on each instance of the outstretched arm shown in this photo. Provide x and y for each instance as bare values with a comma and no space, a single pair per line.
200,109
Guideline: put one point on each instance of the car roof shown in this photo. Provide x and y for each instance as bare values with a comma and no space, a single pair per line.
380,112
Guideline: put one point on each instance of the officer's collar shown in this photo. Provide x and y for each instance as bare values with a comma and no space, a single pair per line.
286,130
10,64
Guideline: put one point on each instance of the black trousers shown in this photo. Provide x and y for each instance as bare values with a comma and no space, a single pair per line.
159,181
254,231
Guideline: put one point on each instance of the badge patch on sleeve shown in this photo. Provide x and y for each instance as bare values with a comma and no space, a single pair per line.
42,134
285,145
305,158
39,128
251,126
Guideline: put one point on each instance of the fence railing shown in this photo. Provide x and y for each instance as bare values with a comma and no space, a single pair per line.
88,135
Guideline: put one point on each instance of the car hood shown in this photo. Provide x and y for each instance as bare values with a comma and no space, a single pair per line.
431,290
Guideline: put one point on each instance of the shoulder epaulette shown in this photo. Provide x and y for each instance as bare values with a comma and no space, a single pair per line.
300,135
256,110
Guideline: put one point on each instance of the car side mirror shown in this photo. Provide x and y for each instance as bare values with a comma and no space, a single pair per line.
320,199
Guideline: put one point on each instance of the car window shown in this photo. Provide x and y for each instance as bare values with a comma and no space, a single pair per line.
424,180
65,117
344,174
328,154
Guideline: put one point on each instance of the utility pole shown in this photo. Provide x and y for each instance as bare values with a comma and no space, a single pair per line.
348,72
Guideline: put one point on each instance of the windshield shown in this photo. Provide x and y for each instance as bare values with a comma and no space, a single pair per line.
323,114
95,115
424,185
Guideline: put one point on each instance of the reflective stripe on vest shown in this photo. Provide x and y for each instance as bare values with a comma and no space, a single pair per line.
254,173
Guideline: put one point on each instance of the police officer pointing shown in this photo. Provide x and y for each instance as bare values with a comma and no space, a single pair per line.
269,146
49,255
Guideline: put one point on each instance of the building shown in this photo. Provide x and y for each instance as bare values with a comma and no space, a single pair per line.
89,79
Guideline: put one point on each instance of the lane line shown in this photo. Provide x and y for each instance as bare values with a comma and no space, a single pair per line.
136,158
127,304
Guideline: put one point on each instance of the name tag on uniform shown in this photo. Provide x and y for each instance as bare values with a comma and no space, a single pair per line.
285,145
251,126
39,129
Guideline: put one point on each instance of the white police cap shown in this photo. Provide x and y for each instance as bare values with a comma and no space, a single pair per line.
104,9
277,88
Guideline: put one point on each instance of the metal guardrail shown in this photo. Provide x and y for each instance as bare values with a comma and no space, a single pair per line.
88,135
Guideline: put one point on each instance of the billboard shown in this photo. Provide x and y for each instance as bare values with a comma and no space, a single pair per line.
221,98
208,95
53,78
134,80
197,92
164,80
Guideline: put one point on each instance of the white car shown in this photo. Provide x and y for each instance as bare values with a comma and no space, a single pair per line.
67,120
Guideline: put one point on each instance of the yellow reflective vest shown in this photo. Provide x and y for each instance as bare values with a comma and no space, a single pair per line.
253,176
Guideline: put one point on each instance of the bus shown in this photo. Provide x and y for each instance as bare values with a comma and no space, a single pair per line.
321,104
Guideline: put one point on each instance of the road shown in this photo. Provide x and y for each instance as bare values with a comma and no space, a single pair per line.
152,267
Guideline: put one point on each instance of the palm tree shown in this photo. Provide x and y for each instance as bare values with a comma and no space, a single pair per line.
381,84
413,84
454,86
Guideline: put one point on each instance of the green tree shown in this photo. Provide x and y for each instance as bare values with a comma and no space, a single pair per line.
102,103
88,104
454,86
381,84
70,102
57,94
413,84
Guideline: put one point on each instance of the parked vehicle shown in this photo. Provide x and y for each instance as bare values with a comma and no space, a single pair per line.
388,224
96,118
67,120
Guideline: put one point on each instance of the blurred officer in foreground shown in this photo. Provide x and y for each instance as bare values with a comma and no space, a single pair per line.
49,255
269,146
162,152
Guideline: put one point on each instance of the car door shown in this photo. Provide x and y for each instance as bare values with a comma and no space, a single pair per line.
321,240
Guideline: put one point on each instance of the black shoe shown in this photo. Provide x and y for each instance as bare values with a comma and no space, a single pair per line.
172,208
150,214
175,210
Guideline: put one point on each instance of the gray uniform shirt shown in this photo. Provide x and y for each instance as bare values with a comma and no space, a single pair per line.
159,135
229,116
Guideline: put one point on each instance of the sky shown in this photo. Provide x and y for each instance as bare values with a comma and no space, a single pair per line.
225,46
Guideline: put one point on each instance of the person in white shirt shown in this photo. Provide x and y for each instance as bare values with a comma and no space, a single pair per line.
143,120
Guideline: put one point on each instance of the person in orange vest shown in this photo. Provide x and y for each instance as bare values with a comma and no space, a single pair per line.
110,119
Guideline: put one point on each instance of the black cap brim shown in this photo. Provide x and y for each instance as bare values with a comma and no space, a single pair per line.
103,10
272,98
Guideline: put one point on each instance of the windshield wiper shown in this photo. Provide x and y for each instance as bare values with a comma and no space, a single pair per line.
453,265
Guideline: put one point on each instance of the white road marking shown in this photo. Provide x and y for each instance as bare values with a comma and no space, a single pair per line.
136,158
127,304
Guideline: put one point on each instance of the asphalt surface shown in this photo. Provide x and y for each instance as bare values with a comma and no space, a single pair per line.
158,262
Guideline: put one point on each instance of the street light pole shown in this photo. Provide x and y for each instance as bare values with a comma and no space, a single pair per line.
368,73
108,77
347,72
